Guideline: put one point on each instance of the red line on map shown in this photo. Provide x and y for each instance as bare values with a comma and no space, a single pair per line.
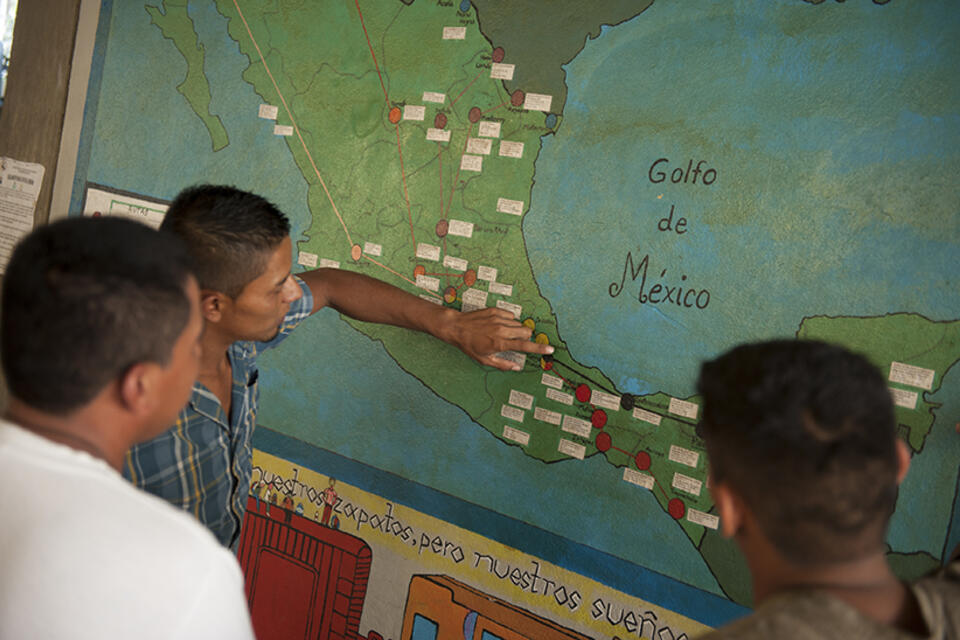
454,185
467,87
440,164
372,54
293,122
399,275
503,104
621,450
406,196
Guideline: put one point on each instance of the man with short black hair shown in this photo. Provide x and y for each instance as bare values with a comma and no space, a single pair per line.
251,301
804,468
100,338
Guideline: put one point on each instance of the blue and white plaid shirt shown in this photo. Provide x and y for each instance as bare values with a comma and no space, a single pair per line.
203,463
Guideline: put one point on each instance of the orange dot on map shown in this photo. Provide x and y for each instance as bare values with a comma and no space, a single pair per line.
356,252
517,97
394,115
469,277
419,270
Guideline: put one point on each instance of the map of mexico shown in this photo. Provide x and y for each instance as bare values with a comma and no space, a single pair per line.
642,194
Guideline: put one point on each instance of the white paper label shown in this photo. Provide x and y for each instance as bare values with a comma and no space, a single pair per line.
605,400
414,112
517,358
511,413
702,518
268,112
307,259
327,263
511,149
559,396
537,102
282,130
904,398
551,381
572,449
683,408
501,71
489,129
471,163
646,416
687,484
545,415
501,289
454,33
683,456
428,251
433,96
576,426
372,249
487,273
515,309
438,135
638,478
515,435
480,146
912,376
457,264
475,296
513,207
521,399
428,283
460,228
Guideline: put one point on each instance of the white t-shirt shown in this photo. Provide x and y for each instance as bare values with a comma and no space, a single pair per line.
84,554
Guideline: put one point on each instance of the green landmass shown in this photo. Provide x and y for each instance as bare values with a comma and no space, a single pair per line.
523,29
728,566
910,566
177,25
907,338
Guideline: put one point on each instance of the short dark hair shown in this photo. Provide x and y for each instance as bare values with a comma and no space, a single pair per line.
228,232
84,299
805,433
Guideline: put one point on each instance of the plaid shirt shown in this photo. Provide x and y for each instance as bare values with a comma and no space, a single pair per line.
203,463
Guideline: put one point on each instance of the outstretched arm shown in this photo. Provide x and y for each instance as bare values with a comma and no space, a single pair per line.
479,334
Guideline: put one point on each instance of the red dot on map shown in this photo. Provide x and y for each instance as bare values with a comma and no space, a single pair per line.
97,214
583,393
419,270
442,227
516,98
469,277
475,114
642,459
603,442
449,295
545,364
498,54
440,121
598,419
394,115
356,252
676,508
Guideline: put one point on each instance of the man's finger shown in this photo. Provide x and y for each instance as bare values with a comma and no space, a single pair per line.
500,363
530,347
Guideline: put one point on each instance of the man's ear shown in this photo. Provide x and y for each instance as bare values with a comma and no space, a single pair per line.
212,304
136,385
730,508
903,460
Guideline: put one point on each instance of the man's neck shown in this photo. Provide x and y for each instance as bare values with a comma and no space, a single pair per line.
82,430
866,584
214,362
